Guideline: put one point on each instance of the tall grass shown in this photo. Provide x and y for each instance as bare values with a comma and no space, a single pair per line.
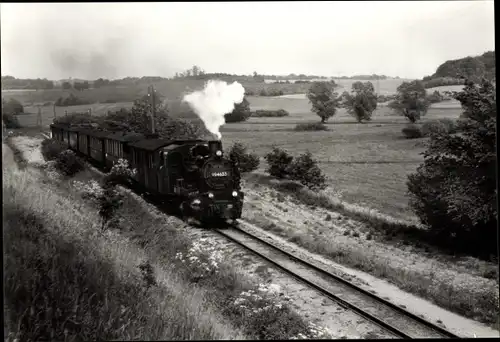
66,280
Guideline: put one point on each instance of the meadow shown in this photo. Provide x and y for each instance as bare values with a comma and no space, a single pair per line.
368,163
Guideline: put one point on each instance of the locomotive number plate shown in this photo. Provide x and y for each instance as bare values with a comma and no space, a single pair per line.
220,174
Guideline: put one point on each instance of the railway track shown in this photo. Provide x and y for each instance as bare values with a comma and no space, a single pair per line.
398,321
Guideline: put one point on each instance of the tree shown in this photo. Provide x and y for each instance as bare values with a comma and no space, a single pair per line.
411,100
66,85
454,190
362,102
324,99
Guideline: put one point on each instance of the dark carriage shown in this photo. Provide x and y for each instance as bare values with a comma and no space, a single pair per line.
155,166
117,146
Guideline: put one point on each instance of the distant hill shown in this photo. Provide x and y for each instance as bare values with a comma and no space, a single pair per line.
453,72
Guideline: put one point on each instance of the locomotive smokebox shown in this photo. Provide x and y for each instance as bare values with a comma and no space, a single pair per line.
214,146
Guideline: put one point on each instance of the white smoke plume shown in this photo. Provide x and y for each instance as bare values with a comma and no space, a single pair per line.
214,101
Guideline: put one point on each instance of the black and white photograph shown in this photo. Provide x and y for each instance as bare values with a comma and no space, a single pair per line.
249,170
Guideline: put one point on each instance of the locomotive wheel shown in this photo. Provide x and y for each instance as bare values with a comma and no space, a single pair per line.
184,211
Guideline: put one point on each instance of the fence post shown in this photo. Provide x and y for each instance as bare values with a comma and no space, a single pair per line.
39,117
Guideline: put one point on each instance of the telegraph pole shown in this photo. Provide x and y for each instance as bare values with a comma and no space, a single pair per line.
39,117
54,108
152,95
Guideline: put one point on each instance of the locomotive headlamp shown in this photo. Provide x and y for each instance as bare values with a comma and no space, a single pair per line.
210,195
196,202
235,193
218,153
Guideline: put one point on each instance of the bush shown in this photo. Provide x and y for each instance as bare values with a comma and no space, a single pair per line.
51,149
412,132
240,113
270,113
110,201
435,97
9,111
71,100
77,119
12,107
10,121
454,190
305,170
120,174
68,163
311,126
433,127
440,126
278,161
246,162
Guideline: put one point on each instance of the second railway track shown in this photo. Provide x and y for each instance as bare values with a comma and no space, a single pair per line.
398,321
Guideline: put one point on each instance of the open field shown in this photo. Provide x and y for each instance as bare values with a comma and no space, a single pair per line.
368,162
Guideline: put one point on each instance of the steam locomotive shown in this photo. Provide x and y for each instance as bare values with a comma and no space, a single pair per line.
192,175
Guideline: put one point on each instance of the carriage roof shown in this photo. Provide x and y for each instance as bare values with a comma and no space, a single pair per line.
155,144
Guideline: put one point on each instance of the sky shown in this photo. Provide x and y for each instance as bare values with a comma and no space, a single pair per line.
409,39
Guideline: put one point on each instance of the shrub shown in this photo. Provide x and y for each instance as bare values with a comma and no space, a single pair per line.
110,201
435,97
10,120
433,127
240,113
311,126
270,113
305,170
77,119
9,111
68,163
246,162
51,149
12,107
120,173
412,132
71,100
439,127
278,161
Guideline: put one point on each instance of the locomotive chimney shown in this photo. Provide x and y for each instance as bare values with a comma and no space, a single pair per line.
214,146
